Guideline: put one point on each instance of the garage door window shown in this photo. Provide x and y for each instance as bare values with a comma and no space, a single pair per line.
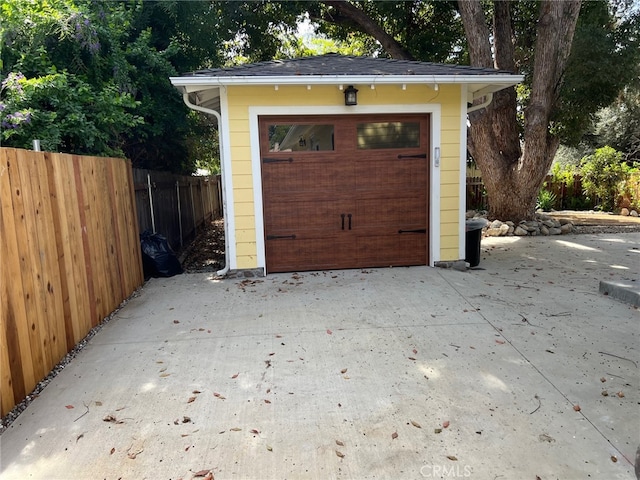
300,138
381,135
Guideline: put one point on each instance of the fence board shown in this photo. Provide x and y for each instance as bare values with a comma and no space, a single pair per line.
70,254
19,374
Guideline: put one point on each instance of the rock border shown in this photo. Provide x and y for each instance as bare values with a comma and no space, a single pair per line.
543,224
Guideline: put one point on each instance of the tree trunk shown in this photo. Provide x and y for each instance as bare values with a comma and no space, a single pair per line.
512,178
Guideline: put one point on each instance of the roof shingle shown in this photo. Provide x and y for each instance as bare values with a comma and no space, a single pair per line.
333,64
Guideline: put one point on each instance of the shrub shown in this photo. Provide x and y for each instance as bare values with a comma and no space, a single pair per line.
602,173
546,200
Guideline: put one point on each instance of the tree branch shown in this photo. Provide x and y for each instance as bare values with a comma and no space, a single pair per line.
347,11
477,33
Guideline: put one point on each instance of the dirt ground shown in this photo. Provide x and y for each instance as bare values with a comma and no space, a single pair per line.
583,218
206,253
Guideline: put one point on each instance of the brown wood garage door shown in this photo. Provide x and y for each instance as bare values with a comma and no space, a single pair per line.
345,191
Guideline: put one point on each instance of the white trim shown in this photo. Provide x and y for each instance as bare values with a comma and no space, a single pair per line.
504,80
228,181
434,188
463,174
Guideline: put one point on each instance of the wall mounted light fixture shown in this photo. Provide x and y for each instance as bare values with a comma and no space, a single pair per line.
351,96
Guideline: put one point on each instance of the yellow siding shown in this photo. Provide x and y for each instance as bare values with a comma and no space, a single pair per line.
240,98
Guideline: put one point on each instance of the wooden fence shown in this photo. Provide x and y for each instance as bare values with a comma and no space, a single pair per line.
69,255
175,206
567,197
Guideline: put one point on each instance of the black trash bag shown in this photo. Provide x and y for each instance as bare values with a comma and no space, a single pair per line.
158,260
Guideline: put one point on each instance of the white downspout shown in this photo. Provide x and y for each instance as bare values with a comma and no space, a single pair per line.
193,106
488,100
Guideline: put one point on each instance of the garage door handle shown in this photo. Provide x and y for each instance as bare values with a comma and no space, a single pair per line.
417,230
277,160
276,237
419,155
342,215
349,221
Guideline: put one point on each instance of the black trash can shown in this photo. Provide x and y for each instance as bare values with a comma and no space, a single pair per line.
473,229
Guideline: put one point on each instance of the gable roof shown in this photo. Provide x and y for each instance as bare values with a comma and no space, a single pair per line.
333,69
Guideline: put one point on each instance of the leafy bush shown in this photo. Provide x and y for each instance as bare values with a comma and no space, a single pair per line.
602,175
546,200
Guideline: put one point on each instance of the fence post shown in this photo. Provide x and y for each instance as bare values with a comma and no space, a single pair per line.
204,213
210,196
193,210
153,219
179,211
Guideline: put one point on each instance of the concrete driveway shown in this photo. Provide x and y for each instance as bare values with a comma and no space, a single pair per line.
520,369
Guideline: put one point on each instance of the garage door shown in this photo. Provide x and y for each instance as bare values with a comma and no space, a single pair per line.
345,192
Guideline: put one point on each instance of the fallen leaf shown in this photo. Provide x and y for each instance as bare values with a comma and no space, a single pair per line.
344,370
176,321
543,437
202,473
221,397
256,431
329,331
270,448
98,404
267,401
620,394
411,358
235,429
79,437
235,376
437,430
191,399
272,353
111,419
602,379
415,352
394,435
163,375
69,407
445,424
196,392
452,458
113,450
186,419
340,454
416,424
614,459
338,442
604,393
500,342
577,408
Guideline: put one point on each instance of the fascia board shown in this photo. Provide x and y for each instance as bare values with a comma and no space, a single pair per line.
205,82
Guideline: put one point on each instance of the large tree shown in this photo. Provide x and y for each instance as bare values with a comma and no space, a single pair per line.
515,138
513,176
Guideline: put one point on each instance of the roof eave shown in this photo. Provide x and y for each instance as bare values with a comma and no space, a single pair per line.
189,82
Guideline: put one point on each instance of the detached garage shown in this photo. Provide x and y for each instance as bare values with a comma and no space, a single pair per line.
334,162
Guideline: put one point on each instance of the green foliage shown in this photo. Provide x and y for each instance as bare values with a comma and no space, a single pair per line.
546,200
65,113
91,77
618,124
605,57
602,174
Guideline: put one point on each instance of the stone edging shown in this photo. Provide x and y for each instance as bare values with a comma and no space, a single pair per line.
542,225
